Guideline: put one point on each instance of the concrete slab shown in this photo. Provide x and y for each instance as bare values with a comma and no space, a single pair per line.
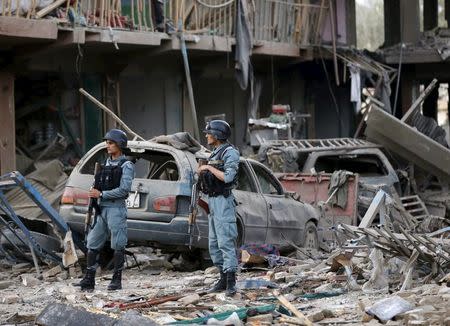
406,141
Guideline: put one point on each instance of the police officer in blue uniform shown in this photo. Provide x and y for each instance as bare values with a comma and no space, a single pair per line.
218,178
111,189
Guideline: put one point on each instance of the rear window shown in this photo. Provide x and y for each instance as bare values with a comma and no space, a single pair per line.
364,165
154,165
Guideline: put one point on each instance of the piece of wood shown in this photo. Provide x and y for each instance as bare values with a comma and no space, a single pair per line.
419,100
373,210
102,13
333,38
291,307
41,13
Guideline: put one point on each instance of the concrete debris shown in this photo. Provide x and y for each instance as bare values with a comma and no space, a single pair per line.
388,308
11,298
305,287
29,280
189,299
5,284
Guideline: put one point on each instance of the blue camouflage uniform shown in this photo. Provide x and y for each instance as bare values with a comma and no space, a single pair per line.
113,217
222,218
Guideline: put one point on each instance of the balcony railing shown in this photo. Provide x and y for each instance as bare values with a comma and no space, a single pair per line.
288,21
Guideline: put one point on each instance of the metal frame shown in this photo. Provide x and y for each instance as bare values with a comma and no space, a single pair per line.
308,145
16,179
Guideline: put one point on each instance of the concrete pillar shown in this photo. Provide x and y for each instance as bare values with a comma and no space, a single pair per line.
7,124
410,16
430,14
391,22
430,105
398,14
447,12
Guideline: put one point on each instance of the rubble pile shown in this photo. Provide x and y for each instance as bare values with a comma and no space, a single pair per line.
349,285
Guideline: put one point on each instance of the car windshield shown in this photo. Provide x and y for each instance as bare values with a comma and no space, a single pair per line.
150,164
364,165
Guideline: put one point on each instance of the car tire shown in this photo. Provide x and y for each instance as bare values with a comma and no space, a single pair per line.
310,237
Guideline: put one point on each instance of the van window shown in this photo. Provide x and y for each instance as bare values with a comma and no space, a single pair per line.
364,165
154,165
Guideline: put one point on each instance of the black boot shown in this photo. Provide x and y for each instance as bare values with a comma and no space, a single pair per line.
116,282
231,284
220,285
88,281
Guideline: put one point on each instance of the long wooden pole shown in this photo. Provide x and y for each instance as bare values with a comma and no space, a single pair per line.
333,37
111,113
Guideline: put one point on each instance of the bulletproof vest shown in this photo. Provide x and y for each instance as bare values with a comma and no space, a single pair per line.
212,186
109,176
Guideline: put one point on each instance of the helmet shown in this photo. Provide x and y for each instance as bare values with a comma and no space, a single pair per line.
118,136
219,129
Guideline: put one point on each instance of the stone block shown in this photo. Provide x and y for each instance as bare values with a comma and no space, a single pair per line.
5,284
189,299
52,272
10,299
260,319
317,316
29,280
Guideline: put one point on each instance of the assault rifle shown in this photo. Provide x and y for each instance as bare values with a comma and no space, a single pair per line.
193,207
93,205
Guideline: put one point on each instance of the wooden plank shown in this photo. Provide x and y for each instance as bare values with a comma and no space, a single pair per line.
419,100
125,37
28,28
374,208
276,49
206,43
7,124
41,13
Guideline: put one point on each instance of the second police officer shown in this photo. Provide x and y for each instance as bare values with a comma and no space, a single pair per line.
218,178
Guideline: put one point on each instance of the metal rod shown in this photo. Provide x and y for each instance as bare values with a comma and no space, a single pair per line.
35,261
189,82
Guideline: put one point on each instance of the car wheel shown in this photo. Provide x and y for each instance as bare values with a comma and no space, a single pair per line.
310,238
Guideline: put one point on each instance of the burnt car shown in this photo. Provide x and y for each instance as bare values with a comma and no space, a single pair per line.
328,155
158,205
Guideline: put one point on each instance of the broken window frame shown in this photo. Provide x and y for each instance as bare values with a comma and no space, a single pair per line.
100,157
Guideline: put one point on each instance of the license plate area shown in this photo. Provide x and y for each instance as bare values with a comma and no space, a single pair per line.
133,200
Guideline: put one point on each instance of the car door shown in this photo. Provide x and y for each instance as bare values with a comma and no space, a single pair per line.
283,222
251,206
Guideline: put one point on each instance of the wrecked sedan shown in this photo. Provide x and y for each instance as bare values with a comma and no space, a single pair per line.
158,205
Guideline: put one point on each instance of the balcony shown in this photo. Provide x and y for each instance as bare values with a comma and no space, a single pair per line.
289,23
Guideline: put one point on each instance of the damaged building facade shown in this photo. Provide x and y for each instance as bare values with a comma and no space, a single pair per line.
243,57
